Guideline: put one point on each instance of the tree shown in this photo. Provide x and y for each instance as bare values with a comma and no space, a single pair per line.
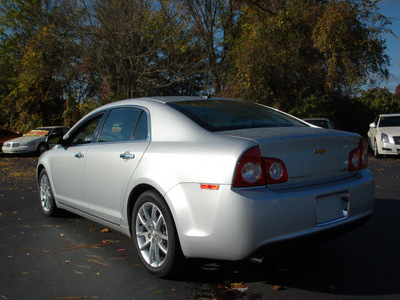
289,51
349,37
397,92
138,48
39,51
37,97
213,23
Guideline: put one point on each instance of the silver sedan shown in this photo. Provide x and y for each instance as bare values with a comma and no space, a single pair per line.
194,177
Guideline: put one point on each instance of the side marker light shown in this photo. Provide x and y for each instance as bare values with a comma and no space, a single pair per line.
214,187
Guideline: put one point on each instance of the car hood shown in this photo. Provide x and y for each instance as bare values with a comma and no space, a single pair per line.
390,130
27,139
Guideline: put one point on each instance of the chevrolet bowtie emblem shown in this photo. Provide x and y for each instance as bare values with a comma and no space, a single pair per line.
319,151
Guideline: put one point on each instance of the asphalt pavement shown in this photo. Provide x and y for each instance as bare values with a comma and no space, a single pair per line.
73,258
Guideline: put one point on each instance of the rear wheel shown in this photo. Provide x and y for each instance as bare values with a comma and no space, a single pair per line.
47,202
155,235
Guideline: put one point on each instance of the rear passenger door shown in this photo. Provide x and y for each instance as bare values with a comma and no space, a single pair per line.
112,160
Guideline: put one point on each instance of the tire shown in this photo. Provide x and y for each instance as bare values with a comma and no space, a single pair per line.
155,235
43,147
376,150
47,202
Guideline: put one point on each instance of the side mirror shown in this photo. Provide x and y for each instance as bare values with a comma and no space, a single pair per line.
64,142
372,125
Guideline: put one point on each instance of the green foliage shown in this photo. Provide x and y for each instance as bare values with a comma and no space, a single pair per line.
59,59
294,51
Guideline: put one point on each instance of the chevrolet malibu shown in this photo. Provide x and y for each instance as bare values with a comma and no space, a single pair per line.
193,177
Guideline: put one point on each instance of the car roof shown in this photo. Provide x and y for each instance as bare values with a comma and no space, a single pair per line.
164,100
168,99
390,115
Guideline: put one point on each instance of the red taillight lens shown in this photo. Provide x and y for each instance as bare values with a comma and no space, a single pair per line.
252,170
358,158
275,170
249,171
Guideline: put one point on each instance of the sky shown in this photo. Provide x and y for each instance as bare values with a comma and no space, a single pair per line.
391,8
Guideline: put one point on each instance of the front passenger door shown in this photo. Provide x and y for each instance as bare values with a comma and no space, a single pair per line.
111,162
69,162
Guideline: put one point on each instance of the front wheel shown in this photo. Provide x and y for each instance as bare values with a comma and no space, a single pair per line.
155,235
43,147
47,202
376,150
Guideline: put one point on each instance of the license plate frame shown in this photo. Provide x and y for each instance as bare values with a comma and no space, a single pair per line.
331,208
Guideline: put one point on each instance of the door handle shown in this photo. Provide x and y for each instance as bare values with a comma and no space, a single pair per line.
127,155
79,155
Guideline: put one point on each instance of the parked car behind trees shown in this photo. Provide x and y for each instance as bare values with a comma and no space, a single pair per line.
6,135
38,140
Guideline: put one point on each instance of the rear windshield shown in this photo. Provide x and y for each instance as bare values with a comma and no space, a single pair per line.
220,115
389,121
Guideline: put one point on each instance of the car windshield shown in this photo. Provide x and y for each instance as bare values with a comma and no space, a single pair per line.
220,115
389,121
37,132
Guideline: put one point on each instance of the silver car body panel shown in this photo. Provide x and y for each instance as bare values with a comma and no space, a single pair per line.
227,223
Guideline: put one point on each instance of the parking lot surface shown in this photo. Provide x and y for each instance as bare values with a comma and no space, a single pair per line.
73,258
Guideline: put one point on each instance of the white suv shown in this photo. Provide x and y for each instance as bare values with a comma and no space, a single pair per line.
384,135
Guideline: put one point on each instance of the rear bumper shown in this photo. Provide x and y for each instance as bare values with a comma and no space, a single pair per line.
308,240
237,224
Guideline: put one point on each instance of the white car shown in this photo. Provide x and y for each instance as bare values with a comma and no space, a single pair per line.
194,177
38,140
384,135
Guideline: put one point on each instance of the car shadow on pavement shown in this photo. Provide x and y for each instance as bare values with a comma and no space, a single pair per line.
363,262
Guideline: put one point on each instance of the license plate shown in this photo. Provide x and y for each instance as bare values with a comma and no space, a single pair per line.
331,208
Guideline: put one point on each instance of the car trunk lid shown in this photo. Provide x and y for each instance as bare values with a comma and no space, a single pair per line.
311,155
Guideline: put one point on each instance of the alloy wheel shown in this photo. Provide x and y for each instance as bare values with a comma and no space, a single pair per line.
152,235
46,196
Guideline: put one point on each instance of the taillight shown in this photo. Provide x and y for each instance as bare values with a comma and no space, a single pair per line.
275,170
249,171
358,158
252,170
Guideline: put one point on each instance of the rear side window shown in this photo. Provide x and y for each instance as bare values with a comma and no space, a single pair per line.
141,130
220,115
124,124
